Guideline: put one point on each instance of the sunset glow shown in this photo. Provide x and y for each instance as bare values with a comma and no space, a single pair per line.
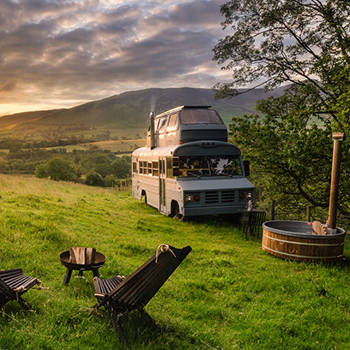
56,54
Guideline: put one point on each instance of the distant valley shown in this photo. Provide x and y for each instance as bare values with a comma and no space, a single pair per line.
121,116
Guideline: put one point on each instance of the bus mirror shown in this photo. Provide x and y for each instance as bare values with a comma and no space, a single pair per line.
246,165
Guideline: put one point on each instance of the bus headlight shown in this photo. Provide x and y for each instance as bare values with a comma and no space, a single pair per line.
245,195
192,197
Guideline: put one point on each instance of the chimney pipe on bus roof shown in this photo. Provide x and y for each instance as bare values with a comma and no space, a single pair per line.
151,120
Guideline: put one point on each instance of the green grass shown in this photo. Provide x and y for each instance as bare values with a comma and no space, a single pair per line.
119,146
227,294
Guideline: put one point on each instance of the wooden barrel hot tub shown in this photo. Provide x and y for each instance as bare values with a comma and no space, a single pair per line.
294,240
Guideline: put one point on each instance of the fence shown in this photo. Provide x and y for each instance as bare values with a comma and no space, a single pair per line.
251,222
307,213
122,185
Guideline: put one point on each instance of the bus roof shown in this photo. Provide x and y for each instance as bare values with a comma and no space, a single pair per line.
196,148
179,108
156,152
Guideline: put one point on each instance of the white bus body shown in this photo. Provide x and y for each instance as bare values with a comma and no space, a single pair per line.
159,175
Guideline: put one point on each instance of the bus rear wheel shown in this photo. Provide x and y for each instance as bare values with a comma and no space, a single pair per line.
144,195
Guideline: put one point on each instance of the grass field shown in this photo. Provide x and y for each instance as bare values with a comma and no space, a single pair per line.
120,146
227,294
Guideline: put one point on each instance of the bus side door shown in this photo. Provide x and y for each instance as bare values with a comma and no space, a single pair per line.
162,190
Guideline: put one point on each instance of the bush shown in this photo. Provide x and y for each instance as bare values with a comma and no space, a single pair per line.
57,169
40,171
110,181
93,178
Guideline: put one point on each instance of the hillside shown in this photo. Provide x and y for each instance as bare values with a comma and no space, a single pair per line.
124,114
227,294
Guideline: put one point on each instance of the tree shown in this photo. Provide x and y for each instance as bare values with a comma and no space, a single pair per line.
93,178
303,42
122,167
303,45
59,169
110,181
41,171
99,161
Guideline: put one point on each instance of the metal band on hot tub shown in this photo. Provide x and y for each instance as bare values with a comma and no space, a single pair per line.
301,243
303,256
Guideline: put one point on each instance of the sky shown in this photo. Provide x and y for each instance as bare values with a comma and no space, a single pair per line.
61,53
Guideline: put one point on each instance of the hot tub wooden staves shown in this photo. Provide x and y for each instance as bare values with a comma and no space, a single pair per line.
293,240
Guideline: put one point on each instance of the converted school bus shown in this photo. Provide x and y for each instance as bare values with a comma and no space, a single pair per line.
188,168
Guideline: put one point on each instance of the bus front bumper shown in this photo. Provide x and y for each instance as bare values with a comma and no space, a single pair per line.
213,210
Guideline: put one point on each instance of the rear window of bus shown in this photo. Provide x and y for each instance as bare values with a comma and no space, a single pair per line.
199,116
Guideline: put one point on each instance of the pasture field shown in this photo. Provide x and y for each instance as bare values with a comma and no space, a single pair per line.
227,294
43,132
119,146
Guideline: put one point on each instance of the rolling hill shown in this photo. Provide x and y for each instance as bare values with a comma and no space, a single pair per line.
227,294
124,114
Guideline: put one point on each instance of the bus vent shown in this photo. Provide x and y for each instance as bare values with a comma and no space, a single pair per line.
211,197
227,196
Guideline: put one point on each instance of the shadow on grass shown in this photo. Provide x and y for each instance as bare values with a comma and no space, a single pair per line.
141,331
234,221
226,220
343,264
13,311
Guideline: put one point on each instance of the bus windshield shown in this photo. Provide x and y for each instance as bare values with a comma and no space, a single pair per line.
210,166
199,116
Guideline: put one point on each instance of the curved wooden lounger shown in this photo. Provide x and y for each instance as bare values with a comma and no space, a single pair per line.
14,283
120,295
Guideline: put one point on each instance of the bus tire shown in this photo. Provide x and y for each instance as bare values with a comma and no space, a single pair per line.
144,195
175,211
174,208
179,217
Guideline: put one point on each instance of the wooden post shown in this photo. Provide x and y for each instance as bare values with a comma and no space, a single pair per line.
333,196
308,213
273,205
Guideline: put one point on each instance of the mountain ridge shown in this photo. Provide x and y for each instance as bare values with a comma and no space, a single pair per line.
128,110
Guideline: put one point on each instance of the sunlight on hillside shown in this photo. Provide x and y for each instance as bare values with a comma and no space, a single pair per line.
29,185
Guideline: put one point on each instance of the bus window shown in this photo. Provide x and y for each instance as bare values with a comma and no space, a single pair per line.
172,124
161,124
169,167
143,167
210,166
149,168
162,166
134,167
172,165
155,171
176,166
200,116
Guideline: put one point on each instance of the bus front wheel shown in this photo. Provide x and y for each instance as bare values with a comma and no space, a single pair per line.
175,211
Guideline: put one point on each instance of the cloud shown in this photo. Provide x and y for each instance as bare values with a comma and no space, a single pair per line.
68,51
8,87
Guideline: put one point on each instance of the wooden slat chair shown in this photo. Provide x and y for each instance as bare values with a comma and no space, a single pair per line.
14,283
121,295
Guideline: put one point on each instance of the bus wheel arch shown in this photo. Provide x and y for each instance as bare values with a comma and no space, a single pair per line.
144,196
175,211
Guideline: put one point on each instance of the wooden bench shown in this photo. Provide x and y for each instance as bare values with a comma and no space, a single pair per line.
121,295
14,283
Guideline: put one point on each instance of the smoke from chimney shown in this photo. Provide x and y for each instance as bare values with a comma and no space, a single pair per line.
152,135
153,103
